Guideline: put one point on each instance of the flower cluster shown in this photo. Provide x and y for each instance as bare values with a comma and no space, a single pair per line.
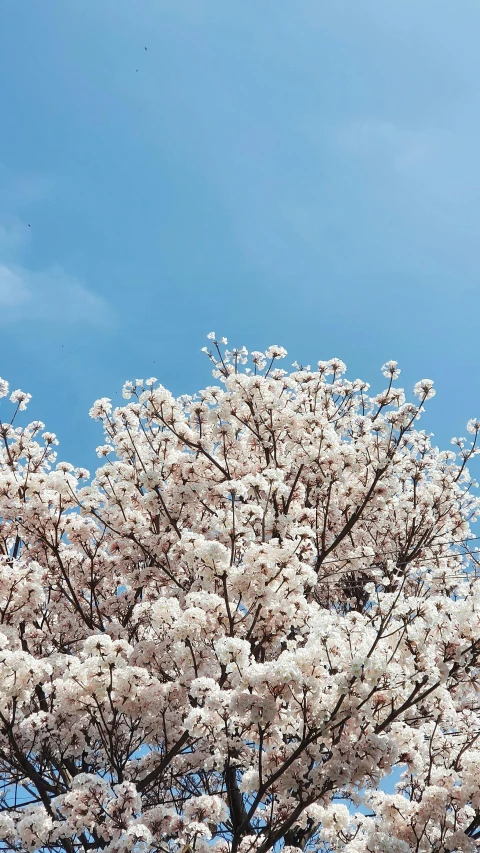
263,604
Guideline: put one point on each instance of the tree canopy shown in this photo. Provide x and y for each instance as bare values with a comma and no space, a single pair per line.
264,604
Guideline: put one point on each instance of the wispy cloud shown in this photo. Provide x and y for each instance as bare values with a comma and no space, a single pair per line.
400,147
51,294
431,173
21,189
14,237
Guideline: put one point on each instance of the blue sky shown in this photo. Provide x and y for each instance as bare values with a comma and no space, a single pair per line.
303,173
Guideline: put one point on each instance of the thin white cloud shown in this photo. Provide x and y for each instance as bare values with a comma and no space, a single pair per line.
48,295
14,237
22,189
51,295
13,293
430,173
400,147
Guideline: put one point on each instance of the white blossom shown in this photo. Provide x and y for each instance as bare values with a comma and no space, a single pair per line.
263,604
424,389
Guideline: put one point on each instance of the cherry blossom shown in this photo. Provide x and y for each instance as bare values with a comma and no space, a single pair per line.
263,604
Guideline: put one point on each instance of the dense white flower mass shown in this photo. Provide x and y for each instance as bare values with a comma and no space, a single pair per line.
264,603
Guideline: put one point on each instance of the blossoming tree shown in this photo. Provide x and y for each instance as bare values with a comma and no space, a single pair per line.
263,604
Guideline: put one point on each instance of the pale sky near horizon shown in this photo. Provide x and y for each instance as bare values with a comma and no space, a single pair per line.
303,173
